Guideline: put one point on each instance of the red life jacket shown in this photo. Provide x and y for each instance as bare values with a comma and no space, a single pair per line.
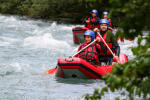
91,25
110,24
89,54
105,51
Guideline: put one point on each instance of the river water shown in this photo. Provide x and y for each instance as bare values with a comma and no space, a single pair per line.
28,48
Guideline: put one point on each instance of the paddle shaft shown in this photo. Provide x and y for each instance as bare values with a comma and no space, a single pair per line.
106,44
53,70
84,48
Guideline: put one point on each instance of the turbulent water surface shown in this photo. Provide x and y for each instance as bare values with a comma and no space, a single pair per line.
28,48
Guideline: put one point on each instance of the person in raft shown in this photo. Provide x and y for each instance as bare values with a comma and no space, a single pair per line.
105,16
90,54
114,31
93,21
105,54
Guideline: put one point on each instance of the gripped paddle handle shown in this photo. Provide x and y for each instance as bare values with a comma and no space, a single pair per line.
106,44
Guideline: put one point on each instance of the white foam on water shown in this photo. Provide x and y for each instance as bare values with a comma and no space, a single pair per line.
40,31
11,19
8,39
7,69
5,41
54,25
14,25
126,47
66,28
44,41
21,67
17,66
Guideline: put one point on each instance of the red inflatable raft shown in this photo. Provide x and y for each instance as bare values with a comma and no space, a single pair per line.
78,34
73,67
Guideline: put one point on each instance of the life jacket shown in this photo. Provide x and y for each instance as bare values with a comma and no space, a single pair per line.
105,51
110,24
92,25
89,54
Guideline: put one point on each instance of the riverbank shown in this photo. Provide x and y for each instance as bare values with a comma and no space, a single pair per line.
72,11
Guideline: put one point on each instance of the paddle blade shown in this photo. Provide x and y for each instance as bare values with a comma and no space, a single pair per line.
52,71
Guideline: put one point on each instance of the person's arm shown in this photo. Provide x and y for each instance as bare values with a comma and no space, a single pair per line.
88,20
98,47
96,30
110,24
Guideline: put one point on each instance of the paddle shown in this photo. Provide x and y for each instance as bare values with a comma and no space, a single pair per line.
107,46
84,48
53,70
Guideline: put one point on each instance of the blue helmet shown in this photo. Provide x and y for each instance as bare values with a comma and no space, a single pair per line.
95,11
104,21
90,33
105,13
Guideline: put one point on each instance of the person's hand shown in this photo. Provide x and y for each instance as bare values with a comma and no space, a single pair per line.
115,58
87,21
96,30
98,39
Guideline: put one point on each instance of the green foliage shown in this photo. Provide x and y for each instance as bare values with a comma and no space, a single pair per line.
131,18
9,6
134,75
96,95
24,7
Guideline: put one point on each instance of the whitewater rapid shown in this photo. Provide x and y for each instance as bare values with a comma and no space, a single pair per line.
28,48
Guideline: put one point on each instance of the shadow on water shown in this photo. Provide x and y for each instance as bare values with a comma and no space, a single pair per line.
7,73
76,80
